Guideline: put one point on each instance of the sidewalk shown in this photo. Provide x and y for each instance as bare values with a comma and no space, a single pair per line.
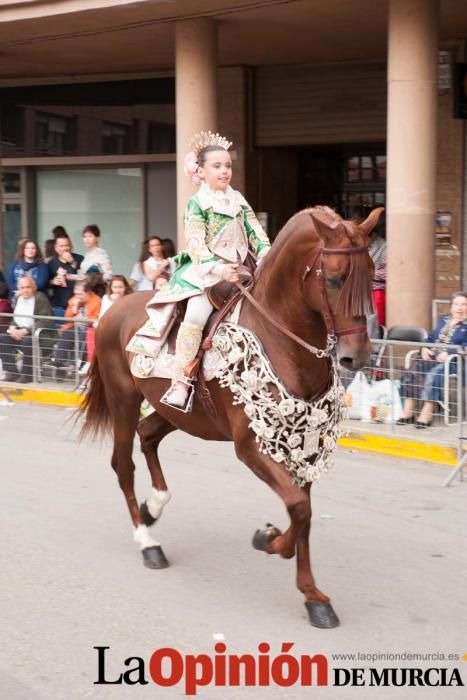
438,444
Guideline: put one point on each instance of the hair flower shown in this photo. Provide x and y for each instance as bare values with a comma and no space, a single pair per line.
190,167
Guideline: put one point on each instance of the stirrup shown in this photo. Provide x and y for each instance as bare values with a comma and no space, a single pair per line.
188,405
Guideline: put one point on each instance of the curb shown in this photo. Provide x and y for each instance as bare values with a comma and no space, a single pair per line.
398,447
50,397
395,447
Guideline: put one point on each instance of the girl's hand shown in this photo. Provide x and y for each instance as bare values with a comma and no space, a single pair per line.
441,356
229,273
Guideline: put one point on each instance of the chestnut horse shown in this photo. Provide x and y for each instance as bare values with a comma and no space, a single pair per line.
315,283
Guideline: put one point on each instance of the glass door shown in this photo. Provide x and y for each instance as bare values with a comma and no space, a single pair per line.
13,222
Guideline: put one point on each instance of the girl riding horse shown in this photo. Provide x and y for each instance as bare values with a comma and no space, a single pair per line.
220,229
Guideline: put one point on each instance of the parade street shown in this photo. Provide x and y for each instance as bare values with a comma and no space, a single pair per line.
388,545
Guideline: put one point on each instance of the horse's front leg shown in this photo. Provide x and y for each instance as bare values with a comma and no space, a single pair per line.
319,608
296,538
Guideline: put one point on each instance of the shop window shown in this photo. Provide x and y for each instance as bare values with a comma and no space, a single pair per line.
365,168
115,138
364,184
54,134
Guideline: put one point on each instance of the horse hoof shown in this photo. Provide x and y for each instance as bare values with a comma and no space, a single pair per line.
148,519
261,538
154,558
322,615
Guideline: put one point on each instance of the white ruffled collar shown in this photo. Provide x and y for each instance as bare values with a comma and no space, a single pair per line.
227,202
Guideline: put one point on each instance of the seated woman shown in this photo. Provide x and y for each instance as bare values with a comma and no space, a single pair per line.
451,330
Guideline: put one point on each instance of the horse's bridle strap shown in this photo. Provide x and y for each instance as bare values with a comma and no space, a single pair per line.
278,325
327,315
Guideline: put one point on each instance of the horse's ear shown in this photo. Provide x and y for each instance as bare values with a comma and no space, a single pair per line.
323,229
371,220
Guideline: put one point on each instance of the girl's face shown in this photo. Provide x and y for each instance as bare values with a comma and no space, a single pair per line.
155,248
30,251
118,288
217,170
459,308
89,239
81,295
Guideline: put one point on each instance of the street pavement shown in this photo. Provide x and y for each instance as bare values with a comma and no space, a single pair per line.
388,545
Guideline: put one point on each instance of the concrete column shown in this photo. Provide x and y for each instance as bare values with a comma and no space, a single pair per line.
196,96
411,175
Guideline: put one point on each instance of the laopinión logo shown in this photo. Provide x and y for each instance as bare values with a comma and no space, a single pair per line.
167,667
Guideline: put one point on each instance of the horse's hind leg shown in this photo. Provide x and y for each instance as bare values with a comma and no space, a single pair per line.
125,419
151,431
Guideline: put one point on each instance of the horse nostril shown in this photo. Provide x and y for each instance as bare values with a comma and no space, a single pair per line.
346,362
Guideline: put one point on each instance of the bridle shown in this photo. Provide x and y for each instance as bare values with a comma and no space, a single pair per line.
318,262
332,334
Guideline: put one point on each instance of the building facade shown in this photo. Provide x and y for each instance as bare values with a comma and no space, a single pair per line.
353,105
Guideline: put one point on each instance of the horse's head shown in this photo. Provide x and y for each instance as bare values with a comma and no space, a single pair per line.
337,282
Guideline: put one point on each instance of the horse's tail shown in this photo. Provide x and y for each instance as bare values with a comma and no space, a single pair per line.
95,407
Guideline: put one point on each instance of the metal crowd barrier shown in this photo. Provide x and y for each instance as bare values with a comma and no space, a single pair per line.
60,356
55,349
372,400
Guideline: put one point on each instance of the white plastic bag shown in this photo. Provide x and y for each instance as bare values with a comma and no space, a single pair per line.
383,402
356,395
377,402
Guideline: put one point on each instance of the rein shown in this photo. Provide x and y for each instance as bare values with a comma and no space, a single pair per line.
332,334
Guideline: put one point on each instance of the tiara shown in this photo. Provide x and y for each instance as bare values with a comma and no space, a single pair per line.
207,138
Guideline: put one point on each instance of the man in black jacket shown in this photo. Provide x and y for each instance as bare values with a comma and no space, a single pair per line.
63,270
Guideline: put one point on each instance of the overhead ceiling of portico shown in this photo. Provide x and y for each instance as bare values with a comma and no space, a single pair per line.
65,38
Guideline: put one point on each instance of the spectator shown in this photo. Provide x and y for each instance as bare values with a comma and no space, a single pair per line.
84,304
5,306
138,279
377,251
62,269
95,257
451,330
96,282
59,232
18,335
118,288
158,267
28,261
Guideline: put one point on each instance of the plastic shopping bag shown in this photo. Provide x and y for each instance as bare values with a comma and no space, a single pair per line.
356,396
383,404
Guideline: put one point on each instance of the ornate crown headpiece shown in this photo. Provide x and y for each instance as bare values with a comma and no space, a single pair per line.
207,138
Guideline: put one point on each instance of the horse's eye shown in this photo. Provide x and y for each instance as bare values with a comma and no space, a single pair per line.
334,282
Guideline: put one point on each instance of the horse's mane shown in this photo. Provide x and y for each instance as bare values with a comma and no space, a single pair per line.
300,228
